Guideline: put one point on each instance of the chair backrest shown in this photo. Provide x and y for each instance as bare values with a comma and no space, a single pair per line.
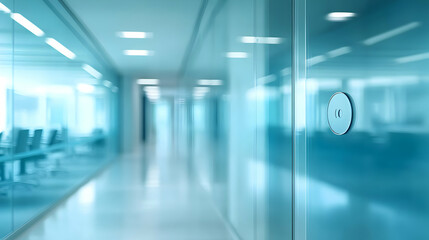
52,139
37,139
22,141
63,137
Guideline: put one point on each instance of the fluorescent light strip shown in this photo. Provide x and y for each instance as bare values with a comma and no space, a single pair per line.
152,93
339,51
316,60
151,89
286,71
413,58
340,16
60,48
391,33
4,9
138,52
266,79
96,74
201,89
261,40
27,24
210,82
107,84
249,39
154,97
237,54
135,34
146,81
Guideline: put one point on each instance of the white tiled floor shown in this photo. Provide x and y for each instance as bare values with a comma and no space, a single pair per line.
146,195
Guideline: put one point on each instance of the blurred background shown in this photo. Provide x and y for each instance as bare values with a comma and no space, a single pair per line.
208,119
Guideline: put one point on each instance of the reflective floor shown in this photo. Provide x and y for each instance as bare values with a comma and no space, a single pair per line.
145,195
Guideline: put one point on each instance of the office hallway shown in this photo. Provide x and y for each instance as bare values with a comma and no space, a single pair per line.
144,195
214,120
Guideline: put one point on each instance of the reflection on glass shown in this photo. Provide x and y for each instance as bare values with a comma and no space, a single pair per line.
371,182
6,137
56,109
239,73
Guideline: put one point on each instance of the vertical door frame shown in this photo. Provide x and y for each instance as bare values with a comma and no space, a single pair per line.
299,138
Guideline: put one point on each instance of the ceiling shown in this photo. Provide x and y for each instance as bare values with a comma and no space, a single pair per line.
171,23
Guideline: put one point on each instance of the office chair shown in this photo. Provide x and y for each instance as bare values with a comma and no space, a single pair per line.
52,138
52,141
21,146
36,141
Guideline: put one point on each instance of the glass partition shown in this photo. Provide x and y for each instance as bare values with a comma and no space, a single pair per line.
58,105
239,82
247,102
6,118
371,182
261,144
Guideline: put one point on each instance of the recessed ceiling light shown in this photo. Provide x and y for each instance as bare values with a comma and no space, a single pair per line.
413,58
200,92
236,55
389,34
201,89
340,16
146,81
135,34
316,60
339,52
151,89
261,40
96,74
107,83
138,52
27,24
60,48
4,9
210,82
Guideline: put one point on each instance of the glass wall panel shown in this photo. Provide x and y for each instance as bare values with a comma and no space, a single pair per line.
370,183
58,113
219,77
240,80
6,117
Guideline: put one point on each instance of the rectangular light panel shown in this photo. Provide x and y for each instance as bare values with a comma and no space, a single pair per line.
60,48
135,34
27,24
138,52
146,81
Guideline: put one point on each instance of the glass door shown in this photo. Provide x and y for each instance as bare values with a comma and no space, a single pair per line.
370,183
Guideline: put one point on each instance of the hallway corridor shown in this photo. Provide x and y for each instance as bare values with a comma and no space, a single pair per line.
214,120
145,195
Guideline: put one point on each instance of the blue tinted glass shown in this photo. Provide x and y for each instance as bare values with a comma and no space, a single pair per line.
6,88
239,77
369,183
63,110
